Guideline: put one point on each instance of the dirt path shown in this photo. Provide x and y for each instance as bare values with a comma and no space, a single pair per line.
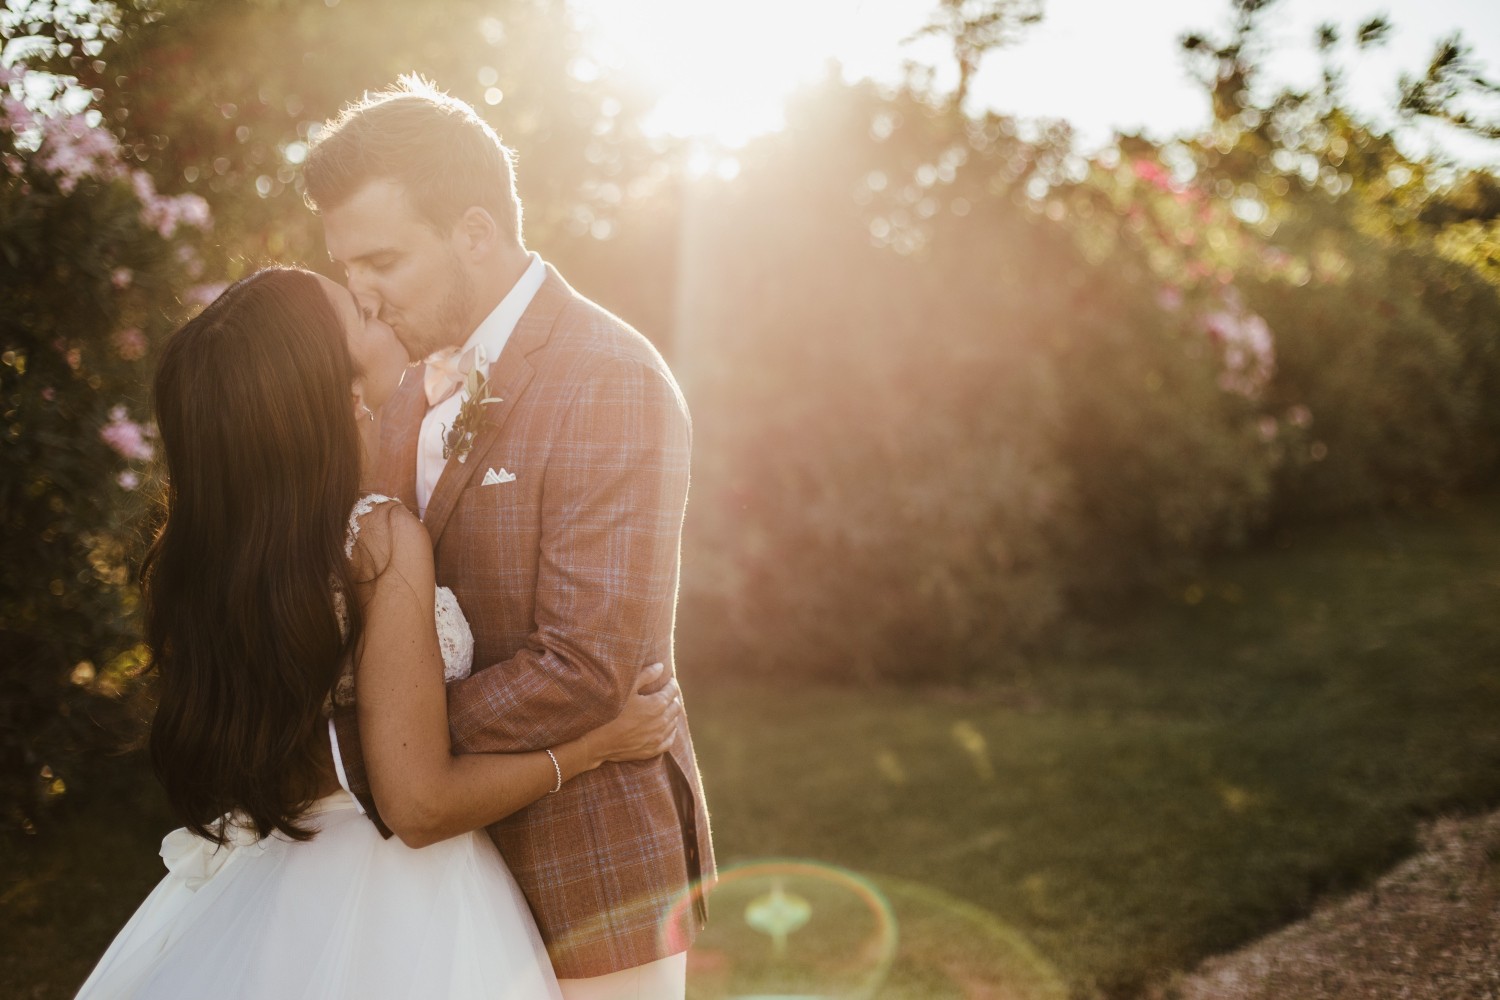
1429,929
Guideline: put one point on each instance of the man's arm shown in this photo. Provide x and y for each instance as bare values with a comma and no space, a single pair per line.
615,491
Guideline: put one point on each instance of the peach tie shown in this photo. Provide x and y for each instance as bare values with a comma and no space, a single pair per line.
447,370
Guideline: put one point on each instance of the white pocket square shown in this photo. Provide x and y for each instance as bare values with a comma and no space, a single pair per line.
493,476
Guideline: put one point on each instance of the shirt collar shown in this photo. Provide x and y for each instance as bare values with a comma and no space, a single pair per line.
495,329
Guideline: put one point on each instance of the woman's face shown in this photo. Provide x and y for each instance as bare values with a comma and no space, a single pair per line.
379,358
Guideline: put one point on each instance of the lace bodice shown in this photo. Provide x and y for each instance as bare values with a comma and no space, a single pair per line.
455,638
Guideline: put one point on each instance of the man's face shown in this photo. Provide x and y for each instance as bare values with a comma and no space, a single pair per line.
401,269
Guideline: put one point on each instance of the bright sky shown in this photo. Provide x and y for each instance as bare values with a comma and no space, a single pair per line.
724,68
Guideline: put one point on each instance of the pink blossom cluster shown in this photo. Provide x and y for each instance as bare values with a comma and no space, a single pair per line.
165,213
130,344
202,295
1153,173
1245,340
70,149
67,147
15,116
126,436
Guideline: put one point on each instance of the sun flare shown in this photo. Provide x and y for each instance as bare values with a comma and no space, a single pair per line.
723,71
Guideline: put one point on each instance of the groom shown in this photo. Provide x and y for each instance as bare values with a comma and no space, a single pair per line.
555,515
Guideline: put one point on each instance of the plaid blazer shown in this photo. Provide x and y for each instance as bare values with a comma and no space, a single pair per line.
568,576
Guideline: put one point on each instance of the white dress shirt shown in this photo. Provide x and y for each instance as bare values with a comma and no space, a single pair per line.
492,334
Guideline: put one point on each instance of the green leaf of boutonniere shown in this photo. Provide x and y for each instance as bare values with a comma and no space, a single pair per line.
459,438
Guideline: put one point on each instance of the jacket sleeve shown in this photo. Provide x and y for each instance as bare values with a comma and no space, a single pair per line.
615,490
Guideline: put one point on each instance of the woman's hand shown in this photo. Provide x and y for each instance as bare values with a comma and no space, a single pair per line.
647,725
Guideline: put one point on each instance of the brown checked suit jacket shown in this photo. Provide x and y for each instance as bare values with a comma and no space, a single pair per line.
568,576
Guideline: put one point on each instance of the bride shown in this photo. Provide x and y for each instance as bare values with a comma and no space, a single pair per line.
274,589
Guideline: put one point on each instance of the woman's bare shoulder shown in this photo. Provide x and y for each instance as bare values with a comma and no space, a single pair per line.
391,538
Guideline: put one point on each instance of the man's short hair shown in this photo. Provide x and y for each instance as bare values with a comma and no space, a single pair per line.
435,146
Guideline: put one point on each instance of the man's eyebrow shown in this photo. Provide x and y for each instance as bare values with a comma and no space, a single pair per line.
376,252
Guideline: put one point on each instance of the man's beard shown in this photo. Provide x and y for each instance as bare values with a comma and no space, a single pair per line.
450,323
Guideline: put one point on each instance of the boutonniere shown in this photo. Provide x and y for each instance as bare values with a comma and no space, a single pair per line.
459,438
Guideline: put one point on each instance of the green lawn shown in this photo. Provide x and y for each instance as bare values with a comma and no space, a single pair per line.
1196,775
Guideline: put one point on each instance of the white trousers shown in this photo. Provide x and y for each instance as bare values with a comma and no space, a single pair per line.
664,979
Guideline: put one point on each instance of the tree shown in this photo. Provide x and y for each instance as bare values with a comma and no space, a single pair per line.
973,28
223,97
1453,79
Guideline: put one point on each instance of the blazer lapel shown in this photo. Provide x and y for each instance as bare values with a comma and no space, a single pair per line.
509,375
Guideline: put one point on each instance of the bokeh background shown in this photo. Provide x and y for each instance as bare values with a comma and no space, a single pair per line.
1092,560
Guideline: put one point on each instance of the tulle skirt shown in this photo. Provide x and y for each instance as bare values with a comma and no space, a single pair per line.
346,914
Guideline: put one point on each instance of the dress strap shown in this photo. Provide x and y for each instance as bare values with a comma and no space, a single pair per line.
362,506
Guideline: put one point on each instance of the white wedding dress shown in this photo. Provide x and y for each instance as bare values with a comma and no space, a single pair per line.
346,914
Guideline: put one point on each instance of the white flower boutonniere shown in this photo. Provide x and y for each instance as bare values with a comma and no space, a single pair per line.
459,438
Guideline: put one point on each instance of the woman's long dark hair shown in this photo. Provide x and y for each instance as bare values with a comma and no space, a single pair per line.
255,413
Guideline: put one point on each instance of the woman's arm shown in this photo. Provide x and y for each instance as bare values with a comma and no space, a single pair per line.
424,791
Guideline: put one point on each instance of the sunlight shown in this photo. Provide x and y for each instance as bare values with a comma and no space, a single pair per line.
724,71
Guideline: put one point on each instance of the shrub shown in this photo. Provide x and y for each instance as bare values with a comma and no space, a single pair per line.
1392,353
929,425
93,257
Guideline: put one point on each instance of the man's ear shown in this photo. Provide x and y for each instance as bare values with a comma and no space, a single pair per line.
476,233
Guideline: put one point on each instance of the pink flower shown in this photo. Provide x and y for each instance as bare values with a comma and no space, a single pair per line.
202,295
17,114
49,394
1249,350
130,344
121,277
128,480
71,150
193,210
189,259
126,436
143,186
165,213
1258,336
1153,174
1220,327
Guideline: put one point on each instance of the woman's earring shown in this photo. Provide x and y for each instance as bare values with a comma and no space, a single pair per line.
368,413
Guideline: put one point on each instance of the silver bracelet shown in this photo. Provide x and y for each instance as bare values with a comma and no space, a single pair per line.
558,768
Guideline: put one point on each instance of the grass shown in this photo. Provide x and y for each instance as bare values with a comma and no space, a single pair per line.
1198,773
